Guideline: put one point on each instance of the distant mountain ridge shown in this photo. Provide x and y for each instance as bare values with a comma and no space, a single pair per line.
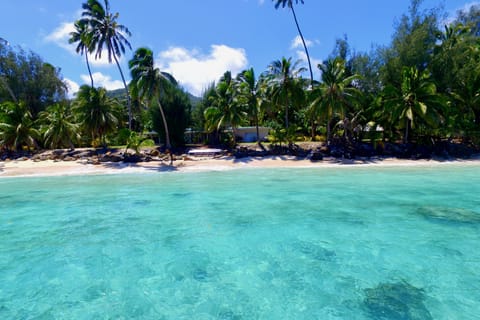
120,94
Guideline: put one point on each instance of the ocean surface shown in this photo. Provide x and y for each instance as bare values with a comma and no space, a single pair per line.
327,243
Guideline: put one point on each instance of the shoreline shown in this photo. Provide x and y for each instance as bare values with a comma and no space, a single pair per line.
30,168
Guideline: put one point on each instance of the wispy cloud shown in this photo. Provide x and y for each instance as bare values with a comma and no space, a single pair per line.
195,70
60,37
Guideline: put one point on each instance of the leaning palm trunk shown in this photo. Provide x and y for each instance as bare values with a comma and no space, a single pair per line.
129,105
407,127
304,45
88,67
167,134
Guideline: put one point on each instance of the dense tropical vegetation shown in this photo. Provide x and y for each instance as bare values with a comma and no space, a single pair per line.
422,89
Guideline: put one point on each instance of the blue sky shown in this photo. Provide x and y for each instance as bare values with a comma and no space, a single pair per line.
197,41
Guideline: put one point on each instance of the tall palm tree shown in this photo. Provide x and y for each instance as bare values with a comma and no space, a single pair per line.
58,126
285,84
248,89
289,3
225,110
82,37
107,34
96,112
148,83
416,100
335,92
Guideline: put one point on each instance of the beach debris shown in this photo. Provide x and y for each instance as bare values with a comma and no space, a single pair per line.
450,215
399,300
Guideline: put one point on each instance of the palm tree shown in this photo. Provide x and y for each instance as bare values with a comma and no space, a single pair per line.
335,92
82,37
289,3
96,112
415,100
106,33
147,83
17,128
224,110
285,84
248,90
58,126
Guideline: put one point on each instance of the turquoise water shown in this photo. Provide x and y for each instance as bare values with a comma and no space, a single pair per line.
350,243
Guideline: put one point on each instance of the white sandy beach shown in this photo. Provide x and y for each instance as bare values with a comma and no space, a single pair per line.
20,168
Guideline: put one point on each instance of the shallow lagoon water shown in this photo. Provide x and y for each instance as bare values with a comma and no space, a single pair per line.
348,243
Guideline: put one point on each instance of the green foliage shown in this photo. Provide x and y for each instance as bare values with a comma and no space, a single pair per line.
17,127
198,111
58,126
96,113
413,42
177,108
225,110
149,84
24,76
286,88
415,102
335,95
100,31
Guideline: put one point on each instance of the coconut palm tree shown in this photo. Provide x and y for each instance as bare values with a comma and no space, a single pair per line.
289,3
58,126
416,100
107,34
335,92
17,127
97,113
285,84
225,110
148,83
82,37
248,90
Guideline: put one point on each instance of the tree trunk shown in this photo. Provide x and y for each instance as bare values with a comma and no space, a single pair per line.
477,117
314,130
168,146
407,127
129,104
5,84
88,67
329,138
258,130
286,111
304,45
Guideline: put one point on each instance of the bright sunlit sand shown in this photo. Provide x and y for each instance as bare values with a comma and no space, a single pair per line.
58,168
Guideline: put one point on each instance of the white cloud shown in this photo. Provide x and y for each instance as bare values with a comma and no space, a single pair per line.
102,80
195,71
60,37
301,55
297,43
72,86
